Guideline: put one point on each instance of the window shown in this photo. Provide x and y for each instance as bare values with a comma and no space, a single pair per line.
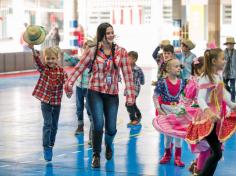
31,3
146,14
5,14
167,11
97,17
119,12
51,4
48,13
227,14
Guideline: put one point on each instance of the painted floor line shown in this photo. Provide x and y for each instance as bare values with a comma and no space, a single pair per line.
5,166
61,155
25,162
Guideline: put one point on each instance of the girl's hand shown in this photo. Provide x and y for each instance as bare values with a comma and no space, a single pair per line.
232,114
234,108
216,118
212,115
160,112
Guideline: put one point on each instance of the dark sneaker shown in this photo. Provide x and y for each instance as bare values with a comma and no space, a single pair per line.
192,166
133,123
139,118
108,153
96,161
79,130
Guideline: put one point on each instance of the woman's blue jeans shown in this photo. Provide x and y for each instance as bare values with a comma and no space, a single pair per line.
104,108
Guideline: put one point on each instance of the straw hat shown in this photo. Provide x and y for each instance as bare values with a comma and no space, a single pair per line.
90,41
34,35
165,42
188,43
229,40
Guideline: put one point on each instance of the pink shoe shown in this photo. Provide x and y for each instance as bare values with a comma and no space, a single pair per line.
166,158
178,161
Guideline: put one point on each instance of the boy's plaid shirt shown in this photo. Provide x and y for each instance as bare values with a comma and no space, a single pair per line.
139,80
103,67
49,88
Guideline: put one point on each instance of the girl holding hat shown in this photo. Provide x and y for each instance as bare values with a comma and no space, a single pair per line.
49,88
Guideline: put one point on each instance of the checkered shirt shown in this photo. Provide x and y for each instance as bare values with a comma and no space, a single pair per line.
49,88
100,71
139,79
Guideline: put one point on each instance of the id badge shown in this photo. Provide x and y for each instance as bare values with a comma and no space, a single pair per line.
109,79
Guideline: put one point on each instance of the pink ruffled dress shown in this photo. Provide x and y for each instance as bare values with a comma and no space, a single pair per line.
194,125
176,124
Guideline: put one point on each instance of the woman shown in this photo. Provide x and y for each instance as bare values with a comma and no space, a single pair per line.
105,61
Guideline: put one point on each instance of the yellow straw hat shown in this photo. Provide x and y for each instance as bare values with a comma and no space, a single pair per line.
229,40
165,42
34,35
188,43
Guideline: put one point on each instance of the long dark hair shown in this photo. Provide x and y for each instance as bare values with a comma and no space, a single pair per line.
209,55
101,33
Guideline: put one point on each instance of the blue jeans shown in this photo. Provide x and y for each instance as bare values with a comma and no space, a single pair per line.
230,88
81,94
103,106
50,115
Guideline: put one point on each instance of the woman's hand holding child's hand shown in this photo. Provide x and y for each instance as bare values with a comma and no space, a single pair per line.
68,89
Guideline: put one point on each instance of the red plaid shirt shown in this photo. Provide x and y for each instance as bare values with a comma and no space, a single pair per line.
103,67
49,88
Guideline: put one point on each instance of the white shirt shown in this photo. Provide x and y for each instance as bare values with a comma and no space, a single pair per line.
204,94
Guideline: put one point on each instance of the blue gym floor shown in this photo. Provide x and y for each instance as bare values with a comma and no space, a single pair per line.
136,150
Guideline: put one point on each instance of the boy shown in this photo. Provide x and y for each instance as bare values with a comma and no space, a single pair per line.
138,76
168,53
186,58
229,73
49,90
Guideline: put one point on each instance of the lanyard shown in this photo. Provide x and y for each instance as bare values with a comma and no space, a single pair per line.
107,60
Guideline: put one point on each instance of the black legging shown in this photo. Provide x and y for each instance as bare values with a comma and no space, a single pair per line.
216,154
